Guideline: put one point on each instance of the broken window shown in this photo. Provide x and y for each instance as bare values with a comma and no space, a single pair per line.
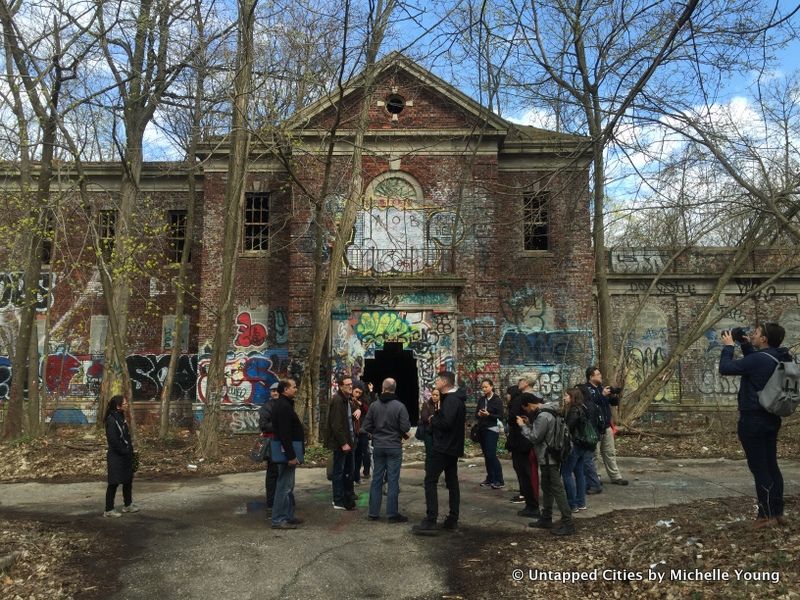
535,221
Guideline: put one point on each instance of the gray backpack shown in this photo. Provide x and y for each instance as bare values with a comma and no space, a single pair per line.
781,394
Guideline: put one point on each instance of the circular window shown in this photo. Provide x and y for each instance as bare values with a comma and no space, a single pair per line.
395,104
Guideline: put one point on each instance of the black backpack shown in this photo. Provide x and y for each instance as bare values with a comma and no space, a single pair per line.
560,443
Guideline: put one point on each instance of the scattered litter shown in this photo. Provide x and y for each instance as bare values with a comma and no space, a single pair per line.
470,466
704,449
191,467
693,542
513,543
663,523
654,565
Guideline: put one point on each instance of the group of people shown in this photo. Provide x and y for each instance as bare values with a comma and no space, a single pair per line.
355,420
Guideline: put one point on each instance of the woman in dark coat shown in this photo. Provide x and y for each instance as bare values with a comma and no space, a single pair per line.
119,456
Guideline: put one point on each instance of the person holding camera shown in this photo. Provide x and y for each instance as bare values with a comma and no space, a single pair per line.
757,428
604,397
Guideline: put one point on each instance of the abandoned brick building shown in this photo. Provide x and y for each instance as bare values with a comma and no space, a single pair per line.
471,252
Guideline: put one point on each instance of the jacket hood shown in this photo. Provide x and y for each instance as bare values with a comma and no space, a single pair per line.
556,406
388,397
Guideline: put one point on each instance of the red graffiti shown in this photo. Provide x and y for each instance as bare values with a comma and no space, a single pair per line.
60,369
249,333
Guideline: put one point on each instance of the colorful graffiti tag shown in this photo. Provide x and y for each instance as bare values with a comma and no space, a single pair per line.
249,332
248,376
430,336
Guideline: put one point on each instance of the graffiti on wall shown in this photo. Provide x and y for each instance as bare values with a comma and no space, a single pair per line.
637,260
397,233
12,291
430,336
529,343
248,376
249,332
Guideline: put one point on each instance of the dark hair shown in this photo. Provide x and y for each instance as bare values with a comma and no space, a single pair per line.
576,395
114,404
341,378
774,334
283,384
590,371
487,380
448,376
360,385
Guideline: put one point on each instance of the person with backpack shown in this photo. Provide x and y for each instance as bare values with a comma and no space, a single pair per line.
604,397
544,427
580,423
758,428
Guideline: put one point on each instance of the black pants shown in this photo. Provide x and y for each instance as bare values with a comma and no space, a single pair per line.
758,432
271,480
441,463
127,494
522,467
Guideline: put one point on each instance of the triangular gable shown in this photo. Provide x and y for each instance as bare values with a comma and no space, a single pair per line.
316,116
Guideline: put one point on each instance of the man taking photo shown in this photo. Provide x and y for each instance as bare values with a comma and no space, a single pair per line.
757,428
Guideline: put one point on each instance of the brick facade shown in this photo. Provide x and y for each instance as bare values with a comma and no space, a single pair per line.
436,264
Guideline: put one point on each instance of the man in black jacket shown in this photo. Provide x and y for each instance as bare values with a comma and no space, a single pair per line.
522,454
604,398
340,437
287,428
447,429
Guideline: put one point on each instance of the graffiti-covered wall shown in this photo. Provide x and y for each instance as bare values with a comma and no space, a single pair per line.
671,310
424,322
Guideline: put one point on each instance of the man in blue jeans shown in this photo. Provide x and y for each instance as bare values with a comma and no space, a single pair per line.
287,429
387,421
758,429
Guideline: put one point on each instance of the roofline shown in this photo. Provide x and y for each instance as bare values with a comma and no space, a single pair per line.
397,59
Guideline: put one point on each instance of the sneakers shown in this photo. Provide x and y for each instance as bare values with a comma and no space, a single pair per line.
450,524
284,525
486,484
518,499
131,508
498,486
344,507
113,513
532,513
564,528
295,521
574,510
583,508
398,518
425,527
542,523
591,491
620,482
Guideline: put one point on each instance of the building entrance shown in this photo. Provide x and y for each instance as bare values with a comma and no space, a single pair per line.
392,361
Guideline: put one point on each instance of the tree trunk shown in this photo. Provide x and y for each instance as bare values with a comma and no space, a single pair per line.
234,205
322,310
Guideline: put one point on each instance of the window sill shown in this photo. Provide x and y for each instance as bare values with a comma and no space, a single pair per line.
254,254
536,253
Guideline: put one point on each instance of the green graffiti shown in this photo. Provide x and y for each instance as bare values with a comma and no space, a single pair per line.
383,327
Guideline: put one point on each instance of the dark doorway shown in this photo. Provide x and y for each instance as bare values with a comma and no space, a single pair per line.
401,366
